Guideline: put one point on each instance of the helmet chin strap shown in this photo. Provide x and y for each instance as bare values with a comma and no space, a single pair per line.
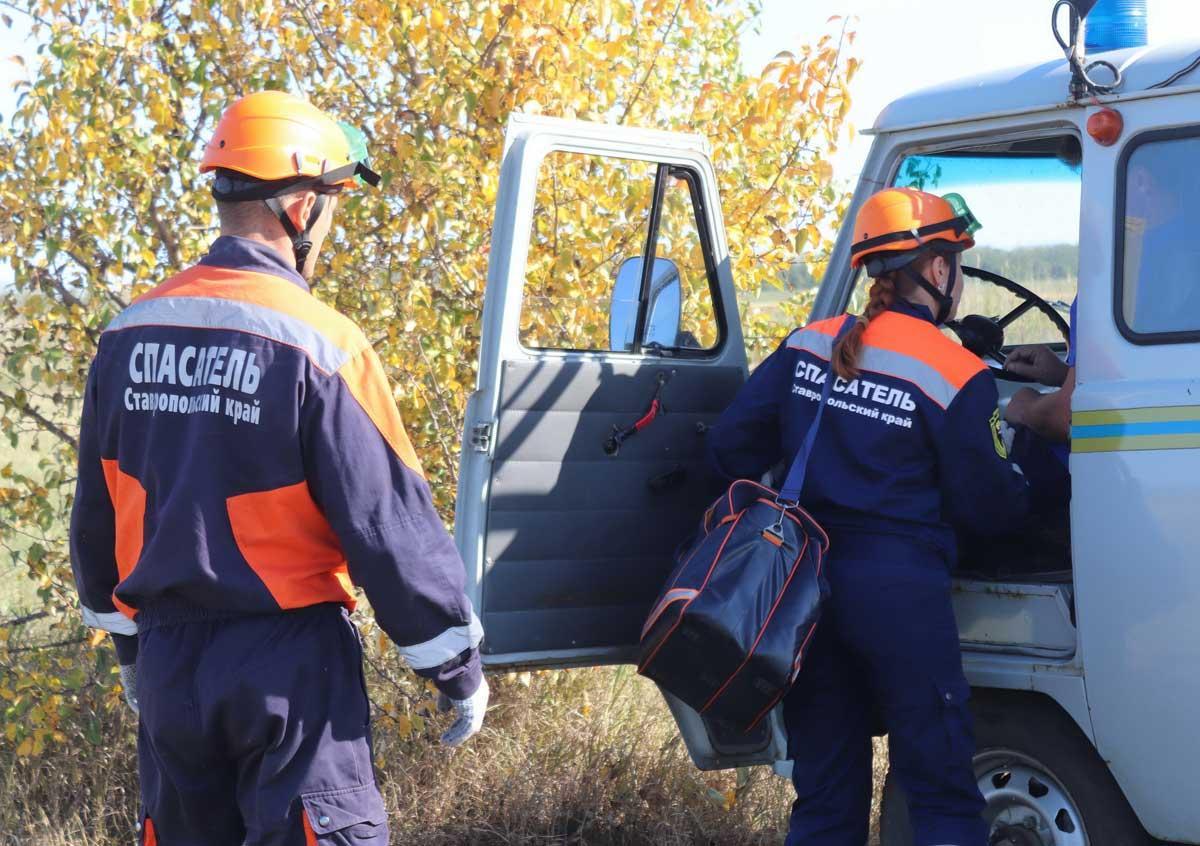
945,300
301,240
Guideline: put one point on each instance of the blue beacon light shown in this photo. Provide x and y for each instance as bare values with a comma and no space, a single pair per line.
1114,25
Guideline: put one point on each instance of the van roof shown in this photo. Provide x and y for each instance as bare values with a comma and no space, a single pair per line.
1033,87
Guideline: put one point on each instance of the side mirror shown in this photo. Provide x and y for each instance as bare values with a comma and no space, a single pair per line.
663,314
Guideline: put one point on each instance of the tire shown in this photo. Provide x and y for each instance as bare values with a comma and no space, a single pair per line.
1035,768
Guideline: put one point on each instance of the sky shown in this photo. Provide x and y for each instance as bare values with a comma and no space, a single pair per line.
904,51
906,45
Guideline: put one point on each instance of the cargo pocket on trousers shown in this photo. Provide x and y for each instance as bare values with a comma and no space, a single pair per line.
956,718
352,816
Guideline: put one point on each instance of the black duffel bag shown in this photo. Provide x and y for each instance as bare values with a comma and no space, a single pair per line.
729,631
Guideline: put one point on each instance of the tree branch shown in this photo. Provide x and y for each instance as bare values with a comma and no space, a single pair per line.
47,424
447,453
164,235
319,37
28,618
38,647
662,42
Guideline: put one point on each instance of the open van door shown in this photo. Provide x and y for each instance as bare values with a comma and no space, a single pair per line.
610,341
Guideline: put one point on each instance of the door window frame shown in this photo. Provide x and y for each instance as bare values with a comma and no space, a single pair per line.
664,171
1143,339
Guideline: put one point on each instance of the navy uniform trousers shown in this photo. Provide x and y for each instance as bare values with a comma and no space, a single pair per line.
255,730
887,645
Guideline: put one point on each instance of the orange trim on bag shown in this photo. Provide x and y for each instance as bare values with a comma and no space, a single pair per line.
310,836
368,384
129,507
703,585
301,566
799,655
763,629
795,671
149,838
673,595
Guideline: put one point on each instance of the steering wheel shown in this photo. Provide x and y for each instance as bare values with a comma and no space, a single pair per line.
984,336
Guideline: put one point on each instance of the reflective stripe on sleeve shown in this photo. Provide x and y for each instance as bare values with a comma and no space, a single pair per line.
439,650
110,621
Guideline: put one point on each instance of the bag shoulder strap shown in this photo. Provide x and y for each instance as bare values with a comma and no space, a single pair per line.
789,494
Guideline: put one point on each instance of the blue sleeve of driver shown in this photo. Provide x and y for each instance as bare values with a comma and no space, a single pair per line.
982,490
745,442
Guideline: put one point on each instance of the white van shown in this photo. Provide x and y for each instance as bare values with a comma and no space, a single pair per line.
1085,659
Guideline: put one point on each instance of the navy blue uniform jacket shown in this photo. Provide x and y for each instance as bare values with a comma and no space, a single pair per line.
911,446
241,453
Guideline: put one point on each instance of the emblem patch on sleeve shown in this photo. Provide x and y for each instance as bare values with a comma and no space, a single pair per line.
997,438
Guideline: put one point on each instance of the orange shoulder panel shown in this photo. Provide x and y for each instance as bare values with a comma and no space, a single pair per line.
923,341
829,326
265,290
368,384
179,279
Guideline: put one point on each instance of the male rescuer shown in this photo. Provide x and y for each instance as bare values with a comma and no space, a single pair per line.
242,464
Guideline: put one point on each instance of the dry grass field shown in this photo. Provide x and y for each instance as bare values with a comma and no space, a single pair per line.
572,757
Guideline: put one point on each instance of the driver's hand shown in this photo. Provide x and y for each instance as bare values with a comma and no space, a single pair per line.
1039,363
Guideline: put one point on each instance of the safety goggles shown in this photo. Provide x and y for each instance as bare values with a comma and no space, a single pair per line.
964,217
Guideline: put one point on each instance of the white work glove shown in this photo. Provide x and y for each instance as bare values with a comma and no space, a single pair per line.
129,685
470,714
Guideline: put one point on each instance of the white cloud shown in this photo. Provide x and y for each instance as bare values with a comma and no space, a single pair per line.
1022,214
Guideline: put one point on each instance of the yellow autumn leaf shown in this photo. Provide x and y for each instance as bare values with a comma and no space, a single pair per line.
404,727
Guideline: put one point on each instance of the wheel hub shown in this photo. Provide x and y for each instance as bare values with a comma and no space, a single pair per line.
1026,804
1008,835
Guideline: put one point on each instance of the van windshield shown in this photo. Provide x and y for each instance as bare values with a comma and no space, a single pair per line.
1026,196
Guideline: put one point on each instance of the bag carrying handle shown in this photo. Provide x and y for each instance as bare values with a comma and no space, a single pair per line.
789,494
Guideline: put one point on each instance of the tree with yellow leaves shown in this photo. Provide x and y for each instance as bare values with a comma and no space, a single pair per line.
102,199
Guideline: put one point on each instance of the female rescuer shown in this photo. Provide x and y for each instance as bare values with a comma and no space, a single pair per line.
908,450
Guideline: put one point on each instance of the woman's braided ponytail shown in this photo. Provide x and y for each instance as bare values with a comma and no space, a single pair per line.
847,350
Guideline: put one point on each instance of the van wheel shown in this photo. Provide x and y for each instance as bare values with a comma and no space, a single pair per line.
1042,780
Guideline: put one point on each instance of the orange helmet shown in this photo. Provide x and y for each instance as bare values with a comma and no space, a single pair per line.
276,137
273,143
897,224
